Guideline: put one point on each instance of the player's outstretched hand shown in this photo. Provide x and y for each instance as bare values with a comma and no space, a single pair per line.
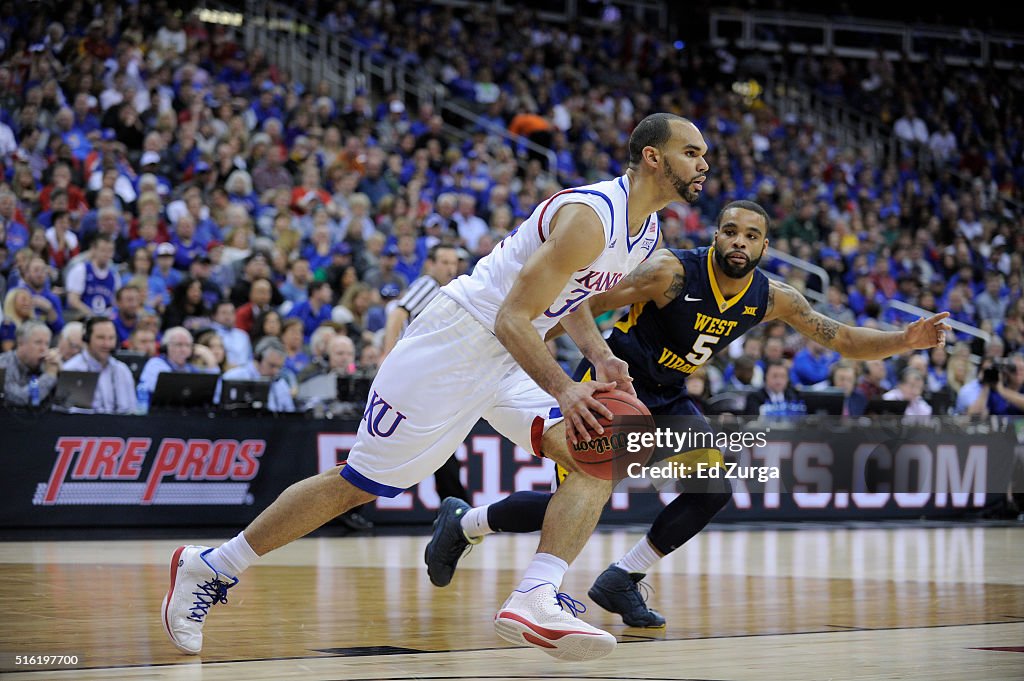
578,406
615,370
927,333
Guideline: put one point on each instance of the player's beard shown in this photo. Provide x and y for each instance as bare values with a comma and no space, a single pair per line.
682,187
732,270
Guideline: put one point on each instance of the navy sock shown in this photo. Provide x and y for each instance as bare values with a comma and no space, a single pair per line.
519,512
687,515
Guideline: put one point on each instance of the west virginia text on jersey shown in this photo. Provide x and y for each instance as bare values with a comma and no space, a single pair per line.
661,344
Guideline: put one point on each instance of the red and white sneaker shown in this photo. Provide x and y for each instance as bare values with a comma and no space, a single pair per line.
543,618
195,587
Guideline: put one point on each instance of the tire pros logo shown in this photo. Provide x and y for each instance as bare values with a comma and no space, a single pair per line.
133,471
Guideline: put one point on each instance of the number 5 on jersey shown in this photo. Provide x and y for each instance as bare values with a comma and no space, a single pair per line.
701,349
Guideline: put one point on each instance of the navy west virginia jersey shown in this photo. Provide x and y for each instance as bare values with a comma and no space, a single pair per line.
665,345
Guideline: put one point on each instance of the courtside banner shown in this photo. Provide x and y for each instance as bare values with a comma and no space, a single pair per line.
176,470
93,470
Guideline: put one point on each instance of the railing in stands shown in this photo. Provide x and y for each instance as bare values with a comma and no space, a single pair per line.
801,264
862,38
915,311
298,43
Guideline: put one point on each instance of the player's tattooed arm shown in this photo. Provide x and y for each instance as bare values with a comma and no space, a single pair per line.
660,279
677,285
789,305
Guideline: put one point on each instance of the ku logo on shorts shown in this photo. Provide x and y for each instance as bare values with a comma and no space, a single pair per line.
376,411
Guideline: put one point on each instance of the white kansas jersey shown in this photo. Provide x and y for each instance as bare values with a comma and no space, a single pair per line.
482,292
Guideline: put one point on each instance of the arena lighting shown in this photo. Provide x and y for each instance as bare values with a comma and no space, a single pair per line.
223,18
213,16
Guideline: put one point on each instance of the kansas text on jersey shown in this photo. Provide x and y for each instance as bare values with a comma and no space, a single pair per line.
482,292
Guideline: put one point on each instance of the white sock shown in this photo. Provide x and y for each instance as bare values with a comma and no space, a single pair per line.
232,557
474,523
640,558
543,568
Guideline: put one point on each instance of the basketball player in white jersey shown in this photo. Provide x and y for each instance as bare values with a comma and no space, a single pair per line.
467,357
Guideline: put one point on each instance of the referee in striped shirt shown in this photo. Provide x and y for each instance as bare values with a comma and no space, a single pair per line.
440,268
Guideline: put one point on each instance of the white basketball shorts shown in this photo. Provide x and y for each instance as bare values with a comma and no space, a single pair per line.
447,372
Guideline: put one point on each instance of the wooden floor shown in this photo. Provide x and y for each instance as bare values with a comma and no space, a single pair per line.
875,603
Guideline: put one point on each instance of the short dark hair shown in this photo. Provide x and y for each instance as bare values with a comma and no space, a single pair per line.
776,363
652,131
432,253
746,205
314,286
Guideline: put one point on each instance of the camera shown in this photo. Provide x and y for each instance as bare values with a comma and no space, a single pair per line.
990,376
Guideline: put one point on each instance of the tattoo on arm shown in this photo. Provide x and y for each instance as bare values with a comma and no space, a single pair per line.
676,287
811,323
824,330
771,302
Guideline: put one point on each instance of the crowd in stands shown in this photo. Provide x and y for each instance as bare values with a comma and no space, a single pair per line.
158,175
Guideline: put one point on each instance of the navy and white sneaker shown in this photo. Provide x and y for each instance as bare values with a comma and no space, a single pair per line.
449,542
195,587
618,591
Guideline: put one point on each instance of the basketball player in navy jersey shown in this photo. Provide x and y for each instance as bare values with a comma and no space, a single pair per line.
685,306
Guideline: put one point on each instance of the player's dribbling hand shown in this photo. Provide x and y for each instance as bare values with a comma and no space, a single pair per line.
615,370
578,406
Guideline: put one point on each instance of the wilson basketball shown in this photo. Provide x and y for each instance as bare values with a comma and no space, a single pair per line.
608,456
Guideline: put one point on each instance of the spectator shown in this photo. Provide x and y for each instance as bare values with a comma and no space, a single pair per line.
31,361
318,351
811,365
17,310
295,289
70,342
470,227
260,296
911,389
269,323
911,129
186,248
187,307
218,361
991,304
268,361
61,242
835,308
178,344
92,283
142,339
844,377
115,390
237,345
126,314
742,375
777,398
874,381
292,339
314,311
46,304
1002,395
270,173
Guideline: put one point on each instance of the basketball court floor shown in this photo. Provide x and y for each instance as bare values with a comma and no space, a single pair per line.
790,602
